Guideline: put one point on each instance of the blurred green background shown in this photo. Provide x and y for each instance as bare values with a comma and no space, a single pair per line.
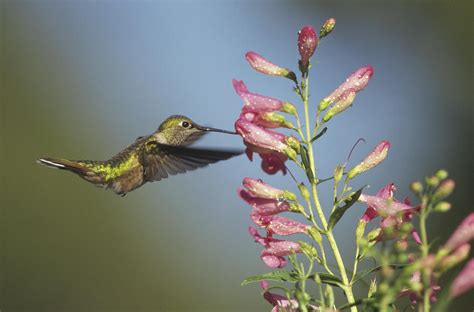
84,79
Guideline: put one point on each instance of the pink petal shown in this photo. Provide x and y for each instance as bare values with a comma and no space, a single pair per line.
307,43
260,137
385,207
357,81
279,225
273,162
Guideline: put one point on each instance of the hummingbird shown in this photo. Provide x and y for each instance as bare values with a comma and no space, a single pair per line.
150,158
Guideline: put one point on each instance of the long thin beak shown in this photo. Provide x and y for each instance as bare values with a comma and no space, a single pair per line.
214,130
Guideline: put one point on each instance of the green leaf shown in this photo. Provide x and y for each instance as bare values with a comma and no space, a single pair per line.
320,134
328,279
279,275
306,163
337,214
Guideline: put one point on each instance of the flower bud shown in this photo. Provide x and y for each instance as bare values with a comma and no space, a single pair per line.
262,190
343,103
293,143
296,207
324,104
338,172
315,235
374,234
432,181
327,27
307,43
373,159
416,187
288,108
304,192
372,288
264,66
442,206
278,120
360,229
444,190
441,174
308,250
329,294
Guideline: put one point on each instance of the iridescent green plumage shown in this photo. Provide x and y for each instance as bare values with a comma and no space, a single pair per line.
149,158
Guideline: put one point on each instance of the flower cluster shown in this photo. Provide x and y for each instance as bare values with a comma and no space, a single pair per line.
267,202
406,263
258,116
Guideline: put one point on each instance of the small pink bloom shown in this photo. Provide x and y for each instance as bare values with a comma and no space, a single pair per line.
464,281
275,249
379,153
258,119
392,212
307,43
463,234
279,225
264,206
254,102
264,66
415,296
357,81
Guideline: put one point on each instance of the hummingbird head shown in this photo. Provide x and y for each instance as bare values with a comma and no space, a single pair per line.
181,130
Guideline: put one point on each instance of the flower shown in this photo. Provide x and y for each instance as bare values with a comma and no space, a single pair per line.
264,206
463,234
279,225
464,281
392,212
275,249
254,102
327,27
379,153
279,302
266,119
307,43
273,162
260,189
264,66
264,141
355,82
414,295
343,103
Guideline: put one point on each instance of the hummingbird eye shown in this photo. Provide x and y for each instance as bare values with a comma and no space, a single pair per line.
186,124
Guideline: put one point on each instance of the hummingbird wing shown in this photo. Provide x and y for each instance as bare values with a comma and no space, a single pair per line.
160,160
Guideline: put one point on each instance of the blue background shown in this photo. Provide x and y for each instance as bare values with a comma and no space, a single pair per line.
84,79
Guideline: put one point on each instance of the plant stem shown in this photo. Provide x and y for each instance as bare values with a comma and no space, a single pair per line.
329,234
425,251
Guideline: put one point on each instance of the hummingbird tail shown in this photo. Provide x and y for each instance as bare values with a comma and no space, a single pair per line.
73,166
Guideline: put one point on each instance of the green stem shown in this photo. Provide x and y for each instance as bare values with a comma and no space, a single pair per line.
425,251
332,242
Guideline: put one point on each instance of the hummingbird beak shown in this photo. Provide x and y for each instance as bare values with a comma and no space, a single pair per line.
209,129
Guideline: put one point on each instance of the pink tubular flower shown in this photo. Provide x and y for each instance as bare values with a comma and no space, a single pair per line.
379,153
464,281
264,66
307,43
279,302
264,206
275,249
463,234
279,225
357,81
273,162
392,212
255,102
260,189
260,137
